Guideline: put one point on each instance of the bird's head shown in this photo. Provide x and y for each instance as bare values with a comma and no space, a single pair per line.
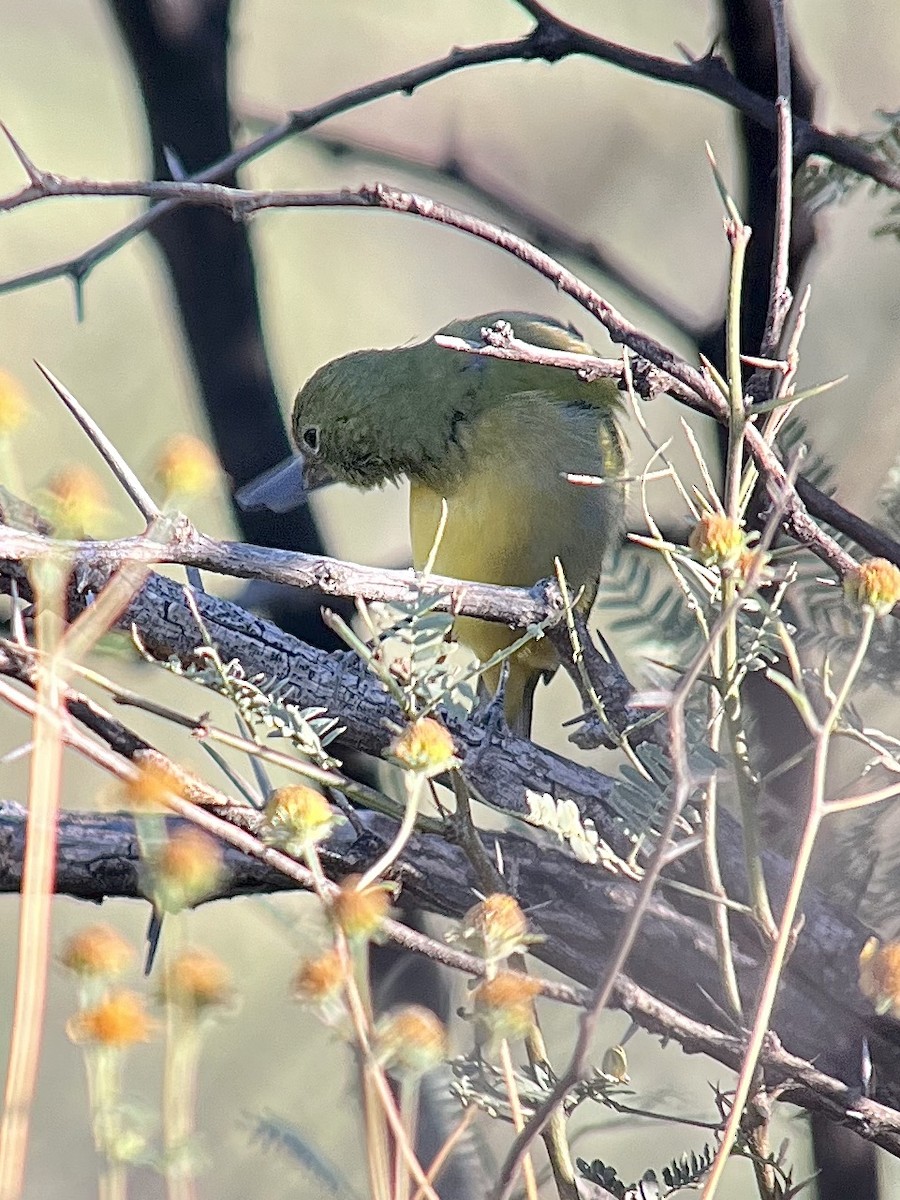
373,416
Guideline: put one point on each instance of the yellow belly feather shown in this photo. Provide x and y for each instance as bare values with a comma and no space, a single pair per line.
510,517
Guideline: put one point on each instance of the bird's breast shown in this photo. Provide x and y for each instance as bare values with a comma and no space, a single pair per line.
511,513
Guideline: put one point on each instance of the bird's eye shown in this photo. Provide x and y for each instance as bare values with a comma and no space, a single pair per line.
310,439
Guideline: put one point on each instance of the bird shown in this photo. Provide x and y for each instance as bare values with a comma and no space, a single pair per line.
490,438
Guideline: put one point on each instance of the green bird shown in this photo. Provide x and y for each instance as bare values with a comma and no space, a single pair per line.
493,439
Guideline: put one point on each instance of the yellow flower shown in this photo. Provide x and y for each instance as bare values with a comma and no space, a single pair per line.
361,913
879,975
77,500
186,466
298,817
153,787
97,950
755,562
717,541
874,584
118,1021
320,979
196,981
495,928
13,405
426,746
184,870
504,1006
410,1040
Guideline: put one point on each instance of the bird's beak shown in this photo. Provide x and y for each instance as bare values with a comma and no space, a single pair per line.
284,487
315,473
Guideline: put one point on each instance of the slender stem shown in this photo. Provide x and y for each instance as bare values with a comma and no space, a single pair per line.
38,871
518,1119
718,911
739,236
414,783
440,1159
180,1086
848,803
555,1139
769,990
375,1084
748,795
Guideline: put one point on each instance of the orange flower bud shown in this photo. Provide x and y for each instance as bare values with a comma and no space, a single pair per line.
78,500
97,951
875,585
298,817
426,746
495,928
13,405
756,563
186,466
153,787
184,870
117,1021
196,981
361,913
879,975
504,1005
320,980
410,1040
717,540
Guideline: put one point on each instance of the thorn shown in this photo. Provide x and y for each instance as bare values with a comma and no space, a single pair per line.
36,176
154,929
78,288
141,498
175,165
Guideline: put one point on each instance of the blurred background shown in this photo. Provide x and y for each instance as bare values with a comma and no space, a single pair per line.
613,158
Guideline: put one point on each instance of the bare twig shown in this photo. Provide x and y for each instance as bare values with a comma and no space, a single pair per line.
551,39
779,293
519,607
786,930
697,389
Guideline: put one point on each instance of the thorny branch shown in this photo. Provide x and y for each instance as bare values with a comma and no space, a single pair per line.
551,40
98,857
504,769
688,384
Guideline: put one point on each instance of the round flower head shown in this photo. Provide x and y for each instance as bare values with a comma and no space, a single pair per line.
504,1006
196,981
118,1021
153,787
717,540
495,928
77,500
297,818
98,951
13,405
320,979
410,1041
186,466
874,585
319,984
184,870
360,913
426,746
